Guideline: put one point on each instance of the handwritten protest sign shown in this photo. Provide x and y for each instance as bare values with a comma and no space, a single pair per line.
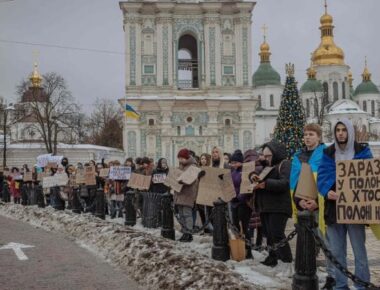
104,172
80,176
358,189
56,180
246,185
211,186
306,186
159,177
171,179
44,159
28,176
139,181
90,173
189,175
41,175
120,172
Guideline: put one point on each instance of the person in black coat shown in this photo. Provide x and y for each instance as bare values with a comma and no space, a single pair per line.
161,170
274,204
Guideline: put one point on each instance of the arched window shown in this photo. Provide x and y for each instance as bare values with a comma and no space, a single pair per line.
227,122
326,92
344,90
187,62
365,106
271,100
200,131
178,130
335,91
259,101
373,108
307,108
151,122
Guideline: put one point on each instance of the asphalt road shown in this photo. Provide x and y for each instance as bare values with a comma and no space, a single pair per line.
54,262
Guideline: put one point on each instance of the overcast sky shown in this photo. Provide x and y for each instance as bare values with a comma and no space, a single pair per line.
97,25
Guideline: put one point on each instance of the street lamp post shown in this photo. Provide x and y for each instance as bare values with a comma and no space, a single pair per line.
5,120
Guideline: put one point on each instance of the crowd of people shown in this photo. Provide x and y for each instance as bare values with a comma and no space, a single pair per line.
264,212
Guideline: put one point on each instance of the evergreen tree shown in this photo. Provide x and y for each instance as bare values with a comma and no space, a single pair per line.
291,118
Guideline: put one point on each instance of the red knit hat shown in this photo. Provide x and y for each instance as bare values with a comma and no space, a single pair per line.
183,153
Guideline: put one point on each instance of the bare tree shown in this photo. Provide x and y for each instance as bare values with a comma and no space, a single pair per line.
52,108
105,125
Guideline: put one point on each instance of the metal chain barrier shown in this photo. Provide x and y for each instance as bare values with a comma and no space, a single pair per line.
338,265
275,247
210,216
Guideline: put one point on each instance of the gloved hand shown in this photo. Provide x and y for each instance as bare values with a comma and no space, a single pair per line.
221,176
201,174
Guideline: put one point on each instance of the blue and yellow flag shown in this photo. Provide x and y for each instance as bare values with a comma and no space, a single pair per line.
130,112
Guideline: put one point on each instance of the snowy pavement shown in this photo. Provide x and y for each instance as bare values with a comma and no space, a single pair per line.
152,261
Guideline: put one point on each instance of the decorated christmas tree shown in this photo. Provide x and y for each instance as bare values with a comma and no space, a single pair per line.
291,118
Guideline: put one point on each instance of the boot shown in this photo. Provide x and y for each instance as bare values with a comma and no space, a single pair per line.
330,283
270,261
248,253
286,271
186,238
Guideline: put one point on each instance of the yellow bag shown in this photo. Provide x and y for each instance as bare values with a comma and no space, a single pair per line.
237,247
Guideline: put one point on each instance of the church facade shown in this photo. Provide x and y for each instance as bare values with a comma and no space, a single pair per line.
188,75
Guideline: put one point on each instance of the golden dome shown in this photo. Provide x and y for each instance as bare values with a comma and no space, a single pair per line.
326,19
35,77
366,74
327,53
311,73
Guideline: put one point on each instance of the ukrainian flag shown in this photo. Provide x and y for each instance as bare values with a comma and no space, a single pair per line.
130,112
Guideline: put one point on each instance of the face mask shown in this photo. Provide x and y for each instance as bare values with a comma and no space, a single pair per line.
264,162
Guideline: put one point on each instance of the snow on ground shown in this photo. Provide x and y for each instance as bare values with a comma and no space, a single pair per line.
152,261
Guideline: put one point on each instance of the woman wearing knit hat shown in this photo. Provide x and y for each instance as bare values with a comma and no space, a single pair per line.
185,199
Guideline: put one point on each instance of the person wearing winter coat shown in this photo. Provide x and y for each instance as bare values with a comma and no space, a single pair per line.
161,169
185,199
14,180
274,204
311,154
344,148
241,211
254,222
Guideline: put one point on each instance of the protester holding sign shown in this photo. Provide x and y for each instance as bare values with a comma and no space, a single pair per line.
311,154
274,205
344,148
254,222
185,199
159,176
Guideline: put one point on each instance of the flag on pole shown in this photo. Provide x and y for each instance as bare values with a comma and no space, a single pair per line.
130,112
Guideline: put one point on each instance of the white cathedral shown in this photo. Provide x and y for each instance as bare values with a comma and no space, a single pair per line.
188,75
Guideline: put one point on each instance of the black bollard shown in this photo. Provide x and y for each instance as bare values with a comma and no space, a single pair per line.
130,211
58,203
167,230
305,265
6,194
40,196
75,202
220,249
99,204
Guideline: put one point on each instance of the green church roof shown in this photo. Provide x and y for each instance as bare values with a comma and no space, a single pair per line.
366,87
265,75
311,86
